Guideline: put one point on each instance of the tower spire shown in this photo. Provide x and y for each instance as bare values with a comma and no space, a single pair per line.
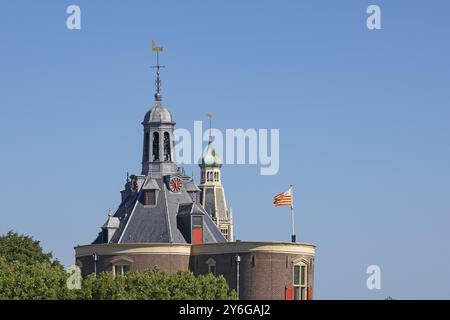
210,117
158,96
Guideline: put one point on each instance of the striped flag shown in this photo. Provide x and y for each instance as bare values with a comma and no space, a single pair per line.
283,199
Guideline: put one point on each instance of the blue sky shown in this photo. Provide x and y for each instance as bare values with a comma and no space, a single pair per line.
363,118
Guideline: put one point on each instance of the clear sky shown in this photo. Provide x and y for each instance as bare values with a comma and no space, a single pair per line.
363,118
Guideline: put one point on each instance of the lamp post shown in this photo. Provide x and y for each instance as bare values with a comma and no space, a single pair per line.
95,258
238,260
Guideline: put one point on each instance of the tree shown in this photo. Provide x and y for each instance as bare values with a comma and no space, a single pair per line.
35,281
26,272
155,284
22,248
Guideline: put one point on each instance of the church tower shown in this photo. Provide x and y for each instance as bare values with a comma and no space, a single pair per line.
158,156
212,192
160,205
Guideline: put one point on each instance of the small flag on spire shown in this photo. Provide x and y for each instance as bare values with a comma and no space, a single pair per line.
155,48
283,199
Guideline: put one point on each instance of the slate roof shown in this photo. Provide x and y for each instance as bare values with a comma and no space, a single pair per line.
158,224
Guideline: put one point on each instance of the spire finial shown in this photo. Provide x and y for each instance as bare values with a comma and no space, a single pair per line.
210,117
158,96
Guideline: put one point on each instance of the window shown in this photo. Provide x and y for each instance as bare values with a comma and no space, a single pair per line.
197,222
300,282
197,230
146,145
211,265
121,269
167,154
194,196
225,232
212,269
148,198
155,146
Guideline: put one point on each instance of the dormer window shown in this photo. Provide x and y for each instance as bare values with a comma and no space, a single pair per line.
148,197
197,230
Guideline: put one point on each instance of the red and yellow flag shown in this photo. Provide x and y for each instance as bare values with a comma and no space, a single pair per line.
283,199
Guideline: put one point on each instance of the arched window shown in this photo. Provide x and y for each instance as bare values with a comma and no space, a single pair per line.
146,146
167,156
155,146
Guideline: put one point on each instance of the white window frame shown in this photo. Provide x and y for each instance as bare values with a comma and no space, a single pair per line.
121,263
301,286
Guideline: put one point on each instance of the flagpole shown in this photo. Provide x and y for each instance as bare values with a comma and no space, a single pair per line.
292,216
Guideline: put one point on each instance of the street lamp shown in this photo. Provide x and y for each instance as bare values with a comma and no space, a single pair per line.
95,258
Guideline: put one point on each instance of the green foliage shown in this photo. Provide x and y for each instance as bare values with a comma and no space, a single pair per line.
28,273
37,281
155,284
21,248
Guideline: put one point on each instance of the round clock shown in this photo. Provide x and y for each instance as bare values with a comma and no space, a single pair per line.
175,184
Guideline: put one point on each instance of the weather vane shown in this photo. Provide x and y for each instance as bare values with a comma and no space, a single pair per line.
158,81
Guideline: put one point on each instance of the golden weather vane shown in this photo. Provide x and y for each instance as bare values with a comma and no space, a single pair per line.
157,49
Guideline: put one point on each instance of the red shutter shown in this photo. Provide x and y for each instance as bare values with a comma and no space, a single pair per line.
197,235
309,294
289,293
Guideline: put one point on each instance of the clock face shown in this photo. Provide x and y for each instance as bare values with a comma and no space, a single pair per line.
175,184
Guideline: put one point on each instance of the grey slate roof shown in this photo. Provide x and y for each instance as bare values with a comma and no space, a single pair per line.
191,186
158,224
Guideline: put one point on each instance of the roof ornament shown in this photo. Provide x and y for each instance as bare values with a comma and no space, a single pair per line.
209,115
158,96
